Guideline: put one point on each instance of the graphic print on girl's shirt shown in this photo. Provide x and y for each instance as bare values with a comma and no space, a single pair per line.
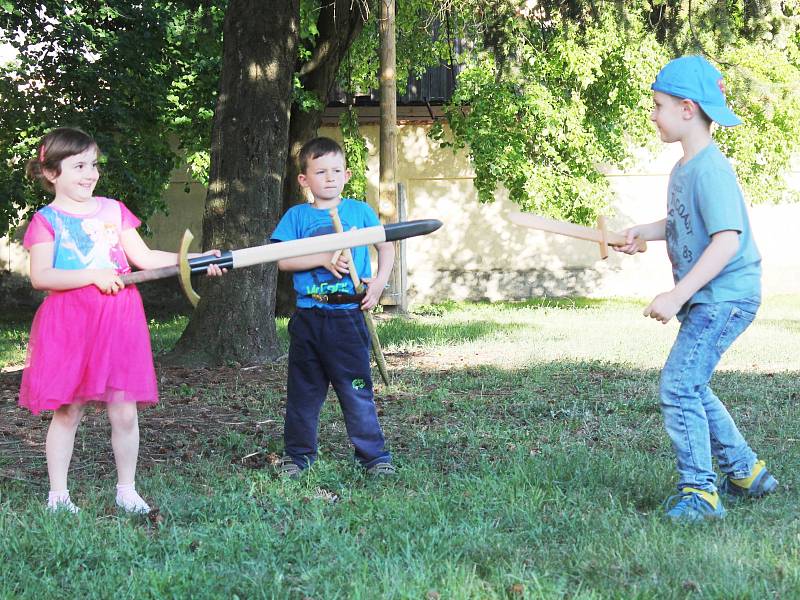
87,242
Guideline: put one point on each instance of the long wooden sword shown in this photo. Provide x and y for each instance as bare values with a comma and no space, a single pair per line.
245,257
601,235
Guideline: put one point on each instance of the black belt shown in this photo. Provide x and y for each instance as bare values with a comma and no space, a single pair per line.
339,298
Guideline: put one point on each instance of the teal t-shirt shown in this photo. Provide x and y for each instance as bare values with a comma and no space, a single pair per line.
302,221
704,198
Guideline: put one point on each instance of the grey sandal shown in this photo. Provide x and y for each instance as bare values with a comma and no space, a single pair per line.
288,468
382,469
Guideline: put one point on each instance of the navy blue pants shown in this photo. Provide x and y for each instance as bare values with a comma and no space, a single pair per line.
330,347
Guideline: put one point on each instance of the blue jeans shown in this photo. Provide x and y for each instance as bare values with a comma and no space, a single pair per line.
697,422
330,347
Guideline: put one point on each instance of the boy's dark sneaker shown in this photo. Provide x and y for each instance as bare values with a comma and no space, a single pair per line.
693,505
382,469
760,483
288,468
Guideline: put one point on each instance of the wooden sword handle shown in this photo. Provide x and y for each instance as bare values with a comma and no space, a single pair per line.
335,257
377,350
337,227
617,239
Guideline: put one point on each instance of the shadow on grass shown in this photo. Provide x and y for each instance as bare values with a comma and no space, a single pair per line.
588,402
449,306
537,480
459,417
401,331
166,330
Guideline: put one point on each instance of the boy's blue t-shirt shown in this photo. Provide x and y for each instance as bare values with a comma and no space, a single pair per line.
704,198
303,221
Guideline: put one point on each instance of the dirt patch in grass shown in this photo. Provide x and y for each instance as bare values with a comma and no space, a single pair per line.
201,411
233,412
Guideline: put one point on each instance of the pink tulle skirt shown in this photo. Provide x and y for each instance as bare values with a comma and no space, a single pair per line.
88,347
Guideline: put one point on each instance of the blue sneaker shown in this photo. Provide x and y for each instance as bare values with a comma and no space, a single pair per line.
693,505
760,483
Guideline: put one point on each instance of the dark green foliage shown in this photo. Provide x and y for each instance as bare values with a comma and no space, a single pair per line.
555,93
140,78
355,149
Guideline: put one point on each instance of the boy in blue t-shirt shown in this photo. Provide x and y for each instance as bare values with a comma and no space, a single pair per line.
329,342
717,271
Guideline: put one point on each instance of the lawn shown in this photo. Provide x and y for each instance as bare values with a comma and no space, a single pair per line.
532,464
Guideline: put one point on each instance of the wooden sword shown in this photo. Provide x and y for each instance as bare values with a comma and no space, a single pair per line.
377,349
245,257
601,235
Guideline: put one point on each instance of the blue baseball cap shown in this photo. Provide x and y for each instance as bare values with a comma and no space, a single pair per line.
694,78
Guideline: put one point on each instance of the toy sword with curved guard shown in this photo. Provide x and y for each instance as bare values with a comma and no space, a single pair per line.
377,350
600,235
236,259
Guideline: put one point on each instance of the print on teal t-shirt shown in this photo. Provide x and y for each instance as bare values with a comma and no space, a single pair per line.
704,198
303,221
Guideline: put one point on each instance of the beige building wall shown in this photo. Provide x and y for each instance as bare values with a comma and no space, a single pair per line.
186,200
479,255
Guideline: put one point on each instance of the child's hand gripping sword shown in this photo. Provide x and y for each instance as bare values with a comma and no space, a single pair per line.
377,350
235,259
600,235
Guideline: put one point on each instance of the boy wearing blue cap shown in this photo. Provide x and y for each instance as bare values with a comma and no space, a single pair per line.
717,271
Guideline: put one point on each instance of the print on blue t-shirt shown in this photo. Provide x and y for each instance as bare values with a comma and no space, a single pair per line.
704,198
303,221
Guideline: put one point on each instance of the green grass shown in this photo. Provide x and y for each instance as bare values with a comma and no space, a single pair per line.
13,338
532,464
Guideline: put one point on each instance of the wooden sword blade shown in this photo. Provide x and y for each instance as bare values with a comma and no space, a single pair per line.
565,228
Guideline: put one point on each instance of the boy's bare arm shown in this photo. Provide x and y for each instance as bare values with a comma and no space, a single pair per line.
648,232
312,261
723,247
375,285
651,232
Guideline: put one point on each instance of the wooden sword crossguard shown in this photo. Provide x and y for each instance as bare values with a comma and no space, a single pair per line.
601,227
601,234
185,271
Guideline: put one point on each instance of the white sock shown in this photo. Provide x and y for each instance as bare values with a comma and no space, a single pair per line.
60,500
129,500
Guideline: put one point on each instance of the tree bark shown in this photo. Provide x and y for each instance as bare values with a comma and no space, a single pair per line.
339,24
234,321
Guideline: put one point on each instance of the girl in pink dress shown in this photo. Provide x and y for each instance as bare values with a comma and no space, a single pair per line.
89,339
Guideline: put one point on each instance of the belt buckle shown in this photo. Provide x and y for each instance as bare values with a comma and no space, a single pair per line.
320,298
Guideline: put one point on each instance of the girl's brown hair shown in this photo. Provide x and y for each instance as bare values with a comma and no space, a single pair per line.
55,146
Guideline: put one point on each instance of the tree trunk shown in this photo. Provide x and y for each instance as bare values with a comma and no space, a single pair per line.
339,24
235,318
